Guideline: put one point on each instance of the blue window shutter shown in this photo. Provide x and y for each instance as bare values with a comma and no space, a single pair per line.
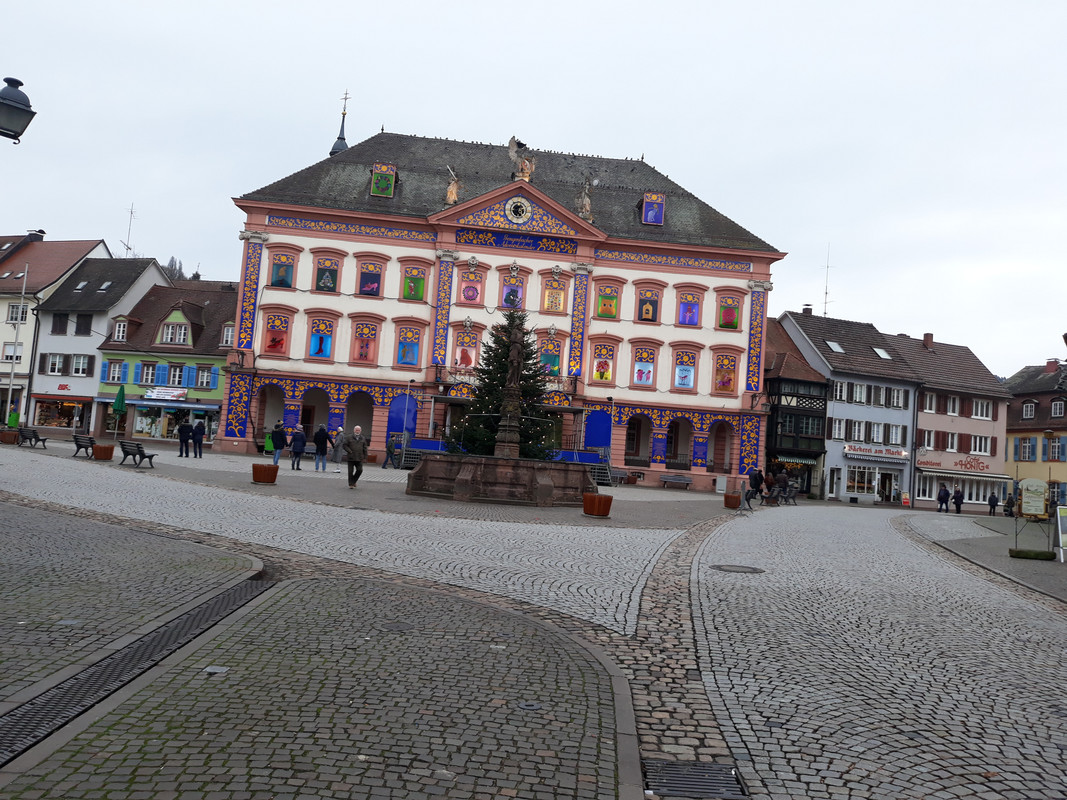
103,371
1033,448
1044,449
1063,448
1016,456
214,377
189,377
162,371
125,371
137,372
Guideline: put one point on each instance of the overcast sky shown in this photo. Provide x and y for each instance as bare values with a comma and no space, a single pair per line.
918,148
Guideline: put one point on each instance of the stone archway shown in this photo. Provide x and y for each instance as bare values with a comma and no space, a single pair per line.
679,444
638,450
720,448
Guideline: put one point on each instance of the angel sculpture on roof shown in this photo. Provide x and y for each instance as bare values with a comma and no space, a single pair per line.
522,159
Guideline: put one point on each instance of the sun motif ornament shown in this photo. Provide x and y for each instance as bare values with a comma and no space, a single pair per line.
470,293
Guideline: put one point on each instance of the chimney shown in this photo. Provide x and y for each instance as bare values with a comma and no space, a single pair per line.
1052,365
807,310
928,341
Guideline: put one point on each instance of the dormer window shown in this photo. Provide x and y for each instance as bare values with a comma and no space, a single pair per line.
227,336
1028,410
174,333
120,332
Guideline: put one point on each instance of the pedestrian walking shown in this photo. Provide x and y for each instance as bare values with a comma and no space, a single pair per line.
185,435
755,486
339,448
297,445
390,448
198,439
993,500
356,447
957,499
323,440
279,442
1009,506
942,499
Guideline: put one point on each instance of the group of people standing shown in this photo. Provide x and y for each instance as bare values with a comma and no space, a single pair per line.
944,497
191,434
352,449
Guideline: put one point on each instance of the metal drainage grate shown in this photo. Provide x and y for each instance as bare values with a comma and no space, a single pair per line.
693,779
33,721
736,568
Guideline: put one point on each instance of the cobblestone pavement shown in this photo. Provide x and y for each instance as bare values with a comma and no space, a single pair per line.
865,661
860,663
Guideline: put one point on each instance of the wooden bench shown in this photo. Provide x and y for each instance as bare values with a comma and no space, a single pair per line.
31,437
771,498
83,442
135,450
790,496
676,480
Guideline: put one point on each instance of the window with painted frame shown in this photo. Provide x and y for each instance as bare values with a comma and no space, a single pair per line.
1057,408
729,306
371,277
277,328
175,375
470,289
512,291
327,274
365,342
648,296
114,371
724,377
644,365
408,346
554,295
603,370
684,378
550,350
465,346
321,338
227,335
175,333
1028,410
119,332
283,270
607,298
146,376
415,280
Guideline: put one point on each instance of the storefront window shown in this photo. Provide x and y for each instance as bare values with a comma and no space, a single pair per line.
155,422
61,414
862,480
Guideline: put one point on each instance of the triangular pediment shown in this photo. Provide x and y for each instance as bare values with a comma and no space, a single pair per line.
521,208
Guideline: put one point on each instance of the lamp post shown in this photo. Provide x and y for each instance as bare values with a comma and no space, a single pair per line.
15,111
407,406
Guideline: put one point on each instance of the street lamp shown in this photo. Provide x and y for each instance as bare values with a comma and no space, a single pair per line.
407,405
15,111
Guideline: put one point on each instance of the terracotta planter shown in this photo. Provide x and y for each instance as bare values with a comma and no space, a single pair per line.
9,437
596,505
731,500
264,473
103,452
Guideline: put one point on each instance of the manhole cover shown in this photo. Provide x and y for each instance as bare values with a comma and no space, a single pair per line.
693,779
736,568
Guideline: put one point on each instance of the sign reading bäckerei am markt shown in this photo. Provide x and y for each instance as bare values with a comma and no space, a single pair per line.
875,450
1033,496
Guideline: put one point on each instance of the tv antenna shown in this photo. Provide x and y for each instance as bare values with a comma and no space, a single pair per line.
128,229
826,284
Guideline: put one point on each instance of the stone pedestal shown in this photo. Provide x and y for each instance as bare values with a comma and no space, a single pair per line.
490,479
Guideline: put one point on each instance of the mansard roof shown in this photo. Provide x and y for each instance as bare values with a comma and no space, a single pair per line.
207,305
948,367
342,182
103,282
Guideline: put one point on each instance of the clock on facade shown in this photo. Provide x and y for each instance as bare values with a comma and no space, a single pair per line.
517,210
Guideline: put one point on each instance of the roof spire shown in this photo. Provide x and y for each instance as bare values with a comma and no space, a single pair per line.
341,145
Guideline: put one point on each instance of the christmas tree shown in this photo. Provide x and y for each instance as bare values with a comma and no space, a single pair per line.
476,433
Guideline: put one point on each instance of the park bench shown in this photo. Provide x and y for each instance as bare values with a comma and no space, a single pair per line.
676,480
790,496
31,437
135,450
618,476
83,442
771,498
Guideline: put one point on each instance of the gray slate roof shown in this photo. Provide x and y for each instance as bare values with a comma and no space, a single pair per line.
343,182
1031,381
950,367
95,272
858,340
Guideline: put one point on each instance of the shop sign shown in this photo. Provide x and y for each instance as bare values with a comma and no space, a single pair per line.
166,393
1033,492
971,464
876,450
63,387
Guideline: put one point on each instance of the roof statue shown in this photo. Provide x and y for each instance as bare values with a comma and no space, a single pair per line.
452,192
583,201
522,159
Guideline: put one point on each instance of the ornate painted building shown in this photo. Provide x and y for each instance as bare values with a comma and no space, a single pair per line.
370,280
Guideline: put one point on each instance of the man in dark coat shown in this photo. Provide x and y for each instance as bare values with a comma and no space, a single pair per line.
323,440
185,435
356,448
198,439
942,498
957,499
280,442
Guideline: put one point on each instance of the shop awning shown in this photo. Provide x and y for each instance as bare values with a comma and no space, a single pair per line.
796,460
173,404
948,473
63,398
887,459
